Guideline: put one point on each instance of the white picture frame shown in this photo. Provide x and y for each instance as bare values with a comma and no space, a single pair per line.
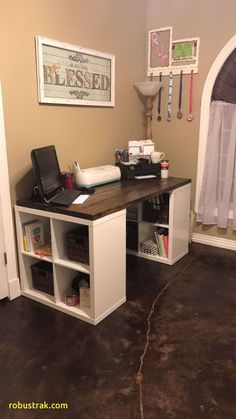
185,63
71,75
159,51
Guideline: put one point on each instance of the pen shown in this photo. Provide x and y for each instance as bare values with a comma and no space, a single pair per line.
76,164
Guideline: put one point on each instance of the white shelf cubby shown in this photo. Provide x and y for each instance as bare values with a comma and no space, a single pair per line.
106,268
178,227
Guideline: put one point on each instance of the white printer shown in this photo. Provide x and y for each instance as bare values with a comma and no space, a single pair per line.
93,176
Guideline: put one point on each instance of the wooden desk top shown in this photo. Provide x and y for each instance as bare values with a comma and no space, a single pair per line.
112,197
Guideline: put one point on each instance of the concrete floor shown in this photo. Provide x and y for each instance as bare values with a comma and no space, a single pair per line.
168,353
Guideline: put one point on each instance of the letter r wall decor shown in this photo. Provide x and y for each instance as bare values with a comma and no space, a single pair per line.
165,55
72,75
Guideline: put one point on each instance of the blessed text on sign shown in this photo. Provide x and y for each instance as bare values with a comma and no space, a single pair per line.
77,77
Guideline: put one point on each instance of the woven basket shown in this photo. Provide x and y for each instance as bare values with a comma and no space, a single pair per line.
42,277
77,245
156,210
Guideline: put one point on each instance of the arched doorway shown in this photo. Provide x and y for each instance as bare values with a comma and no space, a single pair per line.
205,110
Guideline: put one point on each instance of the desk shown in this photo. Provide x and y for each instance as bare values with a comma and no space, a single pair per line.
104,213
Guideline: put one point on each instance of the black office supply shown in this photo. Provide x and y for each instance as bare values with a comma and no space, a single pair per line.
128,172
48,177
86,191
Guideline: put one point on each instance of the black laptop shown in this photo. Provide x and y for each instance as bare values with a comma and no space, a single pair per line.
48,177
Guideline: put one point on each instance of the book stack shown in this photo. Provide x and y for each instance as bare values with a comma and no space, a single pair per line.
161,235
33,235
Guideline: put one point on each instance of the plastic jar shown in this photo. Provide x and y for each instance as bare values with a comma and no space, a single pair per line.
164,169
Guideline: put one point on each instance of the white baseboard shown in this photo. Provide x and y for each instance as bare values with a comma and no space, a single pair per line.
14,288
214,241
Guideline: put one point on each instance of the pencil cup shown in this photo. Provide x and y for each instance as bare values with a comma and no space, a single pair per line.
68,180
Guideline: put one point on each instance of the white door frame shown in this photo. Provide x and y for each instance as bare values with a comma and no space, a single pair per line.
205,110
4,289
7,214
204,124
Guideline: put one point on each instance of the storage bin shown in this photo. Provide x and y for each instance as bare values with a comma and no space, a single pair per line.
42,277
132,235
148,247
77,245
156,209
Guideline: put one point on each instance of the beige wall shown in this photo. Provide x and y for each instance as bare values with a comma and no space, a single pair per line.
214,23
91,134
88,134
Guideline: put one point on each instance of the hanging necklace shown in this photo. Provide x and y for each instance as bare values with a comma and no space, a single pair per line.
179,113
159,101
169,98
190,115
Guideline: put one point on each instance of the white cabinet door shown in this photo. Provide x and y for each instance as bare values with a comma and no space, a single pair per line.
3,270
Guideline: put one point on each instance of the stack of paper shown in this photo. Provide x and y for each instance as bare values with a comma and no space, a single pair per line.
142,147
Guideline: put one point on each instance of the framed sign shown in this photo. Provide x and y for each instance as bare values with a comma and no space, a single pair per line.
72,75
185,54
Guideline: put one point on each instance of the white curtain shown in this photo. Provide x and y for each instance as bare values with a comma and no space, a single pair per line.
217,204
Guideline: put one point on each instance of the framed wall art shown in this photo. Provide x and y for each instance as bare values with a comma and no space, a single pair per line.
159,50
185,54
72,75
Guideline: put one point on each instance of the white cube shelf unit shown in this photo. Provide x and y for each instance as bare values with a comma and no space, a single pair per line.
106,268
177,227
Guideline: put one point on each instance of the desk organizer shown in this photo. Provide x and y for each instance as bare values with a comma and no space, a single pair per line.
129,172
